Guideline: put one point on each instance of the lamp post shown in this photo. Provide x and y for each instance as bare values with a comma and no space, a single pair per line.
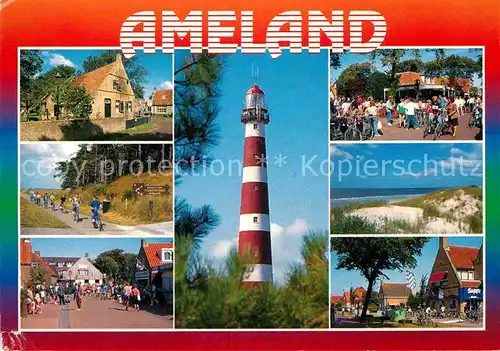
57,111
104,278
417,88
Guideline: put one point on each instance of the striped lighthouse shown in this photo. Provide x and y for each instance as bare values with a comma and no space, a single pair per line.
255,237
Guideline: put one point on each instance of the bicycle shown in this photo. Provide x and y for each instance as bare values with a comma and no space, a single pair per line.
442,126
474,120
423,319
97,221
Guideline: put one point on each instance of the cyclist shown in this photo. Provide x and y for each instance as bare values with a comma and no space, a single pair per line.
95,205
52,199
75,202
63,201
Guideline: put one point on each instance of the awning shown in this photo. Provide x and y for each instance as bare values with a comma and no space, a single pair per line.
437,277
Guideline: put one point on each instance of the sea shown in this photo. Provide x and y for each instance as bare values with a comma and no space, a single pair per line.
345,196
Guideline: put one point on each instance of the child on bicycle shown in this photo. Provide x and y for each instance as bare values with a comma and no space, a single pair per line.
95,205
75,202
52,199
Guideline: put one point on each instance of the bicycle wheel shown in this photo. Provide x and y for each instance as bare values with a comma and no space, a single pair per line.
100,224
352,133
439,130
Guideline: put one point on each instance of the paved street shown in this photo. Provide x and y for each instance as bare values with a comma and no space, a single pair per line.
85,226
395,133
96,314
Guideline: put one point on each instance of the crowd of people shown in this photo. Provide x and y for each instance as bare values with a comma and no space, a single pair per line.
404,111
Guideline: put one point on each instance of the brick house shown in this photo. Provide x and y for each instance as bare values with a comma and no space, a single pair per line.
456,278
393,294
155,265
161,102
36,260
111,91
25,255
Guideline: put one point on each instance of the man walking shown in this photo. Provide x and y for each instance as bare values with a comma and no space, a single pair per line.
60,293
388,110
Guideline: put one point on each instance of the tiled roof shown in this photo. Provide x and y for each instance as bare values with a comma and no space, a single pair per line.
395,290
93,80
151,251
407,78
162,97
25,251
335,299
359,292
36,258
471,283
61,259
462,257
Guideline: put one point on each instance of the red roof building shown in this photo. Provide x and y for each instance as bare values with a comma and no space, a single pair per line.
25,258
456,277
335,299
430,86
161,102
154,266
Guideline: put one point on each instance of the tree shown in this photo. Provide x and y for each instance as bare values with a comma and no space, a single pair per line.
335,60
411,65
30,63
196,95
454,68
371,256
38,275
354,80
136,72
116,264
376,83
76,101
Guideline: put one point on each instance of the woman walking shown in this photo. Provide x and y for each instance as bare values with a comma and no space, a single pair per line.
135,297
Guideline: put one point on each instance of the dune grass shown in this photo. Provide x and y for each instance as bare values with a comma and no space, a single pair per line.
33,216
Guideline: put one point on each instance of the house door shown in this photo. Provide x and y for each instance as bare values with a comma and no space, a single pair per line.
107,108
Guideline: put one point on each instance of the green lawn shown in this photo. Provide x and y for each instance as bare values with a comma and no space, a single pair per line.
33,216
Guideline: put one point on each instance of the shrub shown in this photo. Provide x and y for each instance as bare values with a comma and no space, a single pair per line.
342,223
128,194
430,210
475,223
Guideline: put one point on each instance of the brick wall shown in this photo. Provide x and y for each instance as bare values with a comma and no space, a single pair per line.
70,129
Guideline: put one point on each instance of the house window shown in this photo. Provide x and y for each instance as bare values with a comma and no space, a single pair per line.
116,85
119,106
83,272
60,264
471,275
129,106
256,220
167,256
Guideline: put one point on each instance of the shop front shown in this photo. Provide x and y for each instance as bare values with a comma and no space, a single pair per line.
142,279
471,298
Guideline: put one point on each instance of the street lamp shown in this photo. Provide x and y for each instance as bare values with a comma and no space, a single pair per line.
57,111
417,87
104,278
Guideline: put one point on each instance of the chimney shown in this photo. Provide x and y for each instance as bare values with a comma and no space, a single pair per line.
86,255
144,243
443,242
37,252
118,57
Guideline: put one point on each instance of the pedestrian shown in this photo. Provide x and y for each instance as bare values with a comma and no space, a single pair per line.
135,297
401,113
78,296
60,293
453,115
410,115
127,290
388,110
154,301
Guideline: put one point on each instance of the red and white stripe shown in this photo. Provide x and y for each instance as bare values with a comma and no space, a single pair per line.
255,228
192,24
356,19
274,34
216,32
128,35
333,29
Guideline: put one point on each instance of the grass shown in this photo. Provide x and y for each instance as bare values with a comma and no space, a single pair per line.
33,216
133,211
344,223
475,223
442,195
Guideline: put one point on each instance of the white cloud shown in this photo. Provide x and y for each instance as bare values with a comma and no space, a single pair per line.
54,152
167,85
58,59
223,247
298,227
336,152
276,230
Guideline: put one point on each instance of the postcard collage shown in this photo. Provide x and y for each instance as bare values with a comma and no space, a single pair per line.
201,191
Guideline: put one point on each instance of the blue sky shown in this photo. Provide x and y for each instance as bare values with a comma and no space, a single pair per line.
159,66
410,165
348,59
342,280
79,247
296,88
38,161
